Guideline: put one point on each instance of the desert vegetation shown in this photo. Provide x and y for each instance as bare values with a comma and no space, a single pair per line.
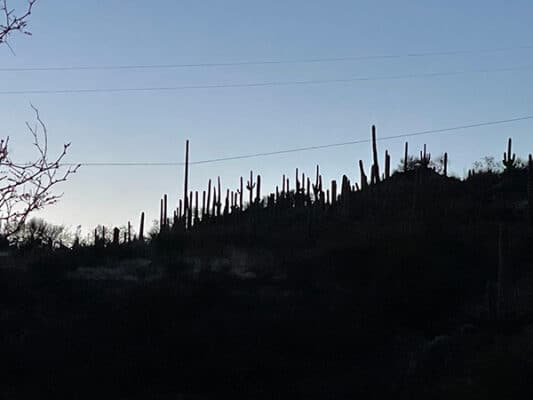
398,283
403,282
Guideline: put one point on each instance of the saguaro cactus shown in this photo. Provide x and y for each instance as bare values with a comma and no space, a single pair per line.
425,158
116,236
214,212
141,228
445,166
258,193
161,218
208,197
508,159
196,207
375,166
530,188
189,211
226,203
387,164
203,204
186,181
334,191
165,211
345,188
250,185
317,186
219,197
406,157
240,192
364,179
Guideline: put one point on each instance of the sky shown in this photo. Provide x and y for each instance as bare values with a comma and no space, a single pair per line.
152,126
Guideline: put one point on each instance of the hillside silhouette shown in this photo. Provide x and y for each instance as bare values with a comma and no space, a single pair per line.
405,283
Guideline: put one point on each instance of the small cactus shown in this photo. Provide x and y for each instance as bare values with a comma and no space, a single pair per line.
250,185
116,236
334,191
364,179
509,161
425,158
530,188
317,186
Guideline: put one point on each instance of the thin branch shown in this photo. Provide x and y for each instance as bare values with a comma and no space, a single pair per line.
27,187
12,22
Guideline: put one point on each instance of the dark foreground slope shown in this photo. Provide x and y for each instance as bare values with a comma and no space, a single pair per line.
415,288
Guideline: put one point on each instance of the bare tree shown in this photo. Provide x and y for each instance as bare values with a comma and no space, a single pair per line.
12,22
27,186
38,233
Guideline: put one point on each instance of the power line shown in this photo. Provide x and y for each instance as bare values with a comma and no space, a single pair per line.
265,84
300,149
261,62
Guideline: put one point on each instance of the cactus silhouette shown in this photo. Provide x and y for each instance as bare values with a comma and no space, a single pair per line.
509,161
375,166
250,186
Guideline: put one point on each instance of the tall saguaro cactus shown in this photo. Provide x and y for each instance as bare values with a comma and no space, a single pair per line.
141,228
241,193
208,198
204,207
165,210
375,166
186,181
219,198
406,157
258,193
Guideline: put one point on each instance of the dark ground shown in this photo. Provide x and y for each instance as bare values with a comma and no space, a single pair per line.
388,298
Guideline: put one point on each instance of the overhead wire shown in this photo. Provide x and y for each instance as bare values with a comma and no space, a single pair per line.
314,60
265,84
308,148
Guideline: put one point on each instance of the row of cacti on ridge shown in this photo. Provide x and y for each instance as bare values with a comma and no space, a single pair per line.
213,202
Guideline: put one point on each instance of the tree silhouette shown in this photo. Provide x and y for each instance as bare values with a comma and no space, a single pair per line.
26,186
13,22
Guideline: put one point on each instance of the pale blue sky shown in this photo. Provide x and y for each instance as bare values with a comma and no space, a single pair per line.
141,127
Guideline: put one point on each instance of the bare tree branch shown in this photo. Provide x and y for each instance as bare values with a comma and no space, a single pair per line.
12,22
27,187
